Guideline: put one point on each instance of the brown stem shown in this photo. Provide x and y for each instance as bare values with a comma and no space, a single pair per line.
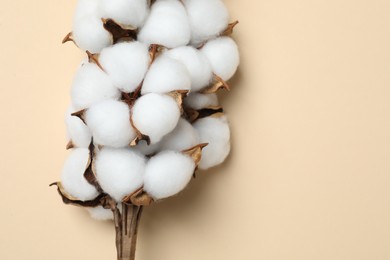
126,227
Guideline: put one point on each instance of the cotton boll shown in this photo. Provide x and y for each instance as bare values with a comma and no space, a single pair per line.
166,25
101,213
146,149
196,63
126,64
119,171
77,131
155,115
168,173
199,101
86,8
90,35
91,85
109,122
223,56
207,18
215,132
183,137
73,179
166,75
126,12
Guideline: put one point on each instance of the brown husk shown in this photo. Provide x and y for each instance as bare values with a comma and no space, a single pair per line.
119,32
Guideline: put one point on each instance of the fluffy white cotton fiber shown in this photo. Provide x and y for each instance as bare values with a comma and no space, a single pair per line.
223,56
165,75
196,63
208,18
77,131
126,12
86,8
215,132
101,213
199,101
166,25
109,122
120,172
155,115
91,85
90,35
183,137
73,179
167,174
126,64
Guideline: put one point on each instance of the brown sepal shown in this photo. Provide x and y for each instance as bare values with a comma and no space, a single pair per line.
70,145
89,173
80,114
178,96
154,51
229,30
68,38
139,137
138,198
119,32
193,115
217,84
151,2
195,152
94,58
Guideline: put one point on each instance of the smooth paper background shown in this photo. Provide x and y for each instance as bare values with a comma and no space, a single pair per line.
309,173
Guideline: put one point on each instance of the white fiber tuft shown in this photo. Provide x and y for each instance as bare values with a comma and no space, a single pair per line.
77,131
199,101
146,149
126,12
166,25
91,85
196,63
183,137
223,56
168,173
166,75
109,122
73,179
126,64
90,35
86,8
207,18
119,171
101,213
155,115
215,132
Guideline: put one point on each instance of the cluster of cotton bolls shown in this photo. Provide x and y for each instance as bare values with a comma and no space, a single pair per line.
146,96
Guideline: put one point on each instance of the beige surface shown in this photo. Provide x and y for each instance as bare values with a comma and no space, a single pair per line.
309,174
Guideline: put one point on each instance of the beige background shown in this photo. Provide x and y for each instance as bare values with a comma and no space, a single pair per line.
309,174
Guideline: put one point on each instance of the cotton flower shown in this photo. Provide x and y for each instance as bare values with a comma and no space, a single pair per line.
126,64
73,179
223,56
90,35
86,8
101,213
196,63
126,12
91,85
166,75
155,115
207,18
77,131
109,122
183,137
199,101
166,25
215,132
120,172
167,174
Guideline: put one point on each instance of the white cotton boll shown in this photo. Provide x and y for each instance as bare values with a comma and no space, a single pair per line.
199,101
196,63
168,173
155,115
166,75
90,35
91,85
126,12
146,149
73,179
183,137
120,172
215,132
86,8
207,18
101,213
166,25
109,122
77,131
223,56
126,64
